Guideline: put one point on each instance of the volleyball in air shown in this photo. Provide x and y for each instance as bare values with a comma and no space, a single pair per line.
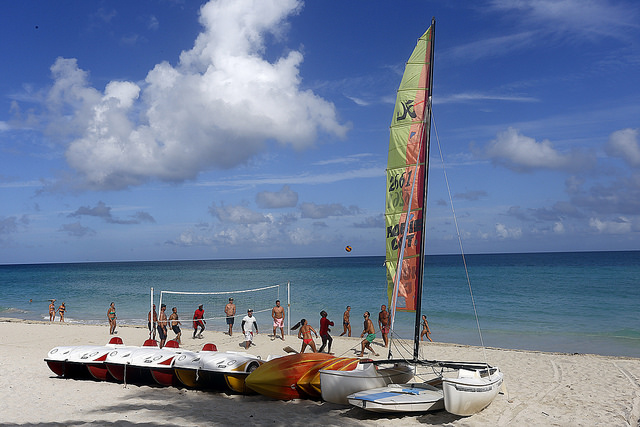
348,249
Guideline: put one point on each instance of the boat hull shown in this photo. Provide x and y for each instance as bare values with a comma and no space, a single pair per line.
472,391
309,383
336,385
278,378
414,397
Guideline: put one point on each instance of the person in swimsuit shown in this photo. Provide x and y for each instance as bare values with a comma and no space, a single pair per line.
278,319
198,322
383,324
52,311
230,311
324,331
425,329
162,325
305,334
150,325
111,316
248,323
345,321
370,333
173,318
61,310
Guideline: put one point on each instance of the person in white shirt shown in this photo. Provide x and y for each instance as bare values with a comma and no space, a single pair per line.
248,323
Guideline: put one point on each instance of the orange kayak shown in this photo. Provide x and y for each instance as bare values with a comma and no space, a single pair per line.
278,378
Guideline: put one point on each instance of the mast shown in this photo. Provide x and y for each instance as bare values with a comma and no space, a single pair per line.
427,143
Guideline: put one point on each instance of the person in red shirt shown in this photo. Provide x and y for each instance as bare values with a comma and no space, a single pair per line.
324,332
198,321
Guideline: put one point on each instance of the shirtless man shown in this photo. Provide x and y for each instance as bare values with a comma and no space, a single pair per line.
383,324
345,321
173,318
278,319
305,334
230,311
52,311
162,325
370,333
152,324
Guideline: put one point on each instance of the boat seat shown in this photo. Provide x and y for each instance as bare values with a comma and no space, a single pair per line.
150,343
116,340
209,347
172,344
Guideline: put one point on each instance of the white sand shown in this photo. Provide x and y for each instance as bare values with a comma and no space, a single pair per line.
542,388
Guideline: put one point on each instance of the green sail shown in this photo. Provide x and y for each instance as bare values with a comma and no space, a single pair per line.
406,174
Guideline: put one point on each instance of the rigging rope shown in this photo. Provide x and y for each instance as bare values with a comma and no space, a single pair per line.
455,221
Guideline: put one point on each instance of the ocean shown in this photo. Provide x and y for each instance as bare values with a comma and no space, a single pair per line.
579,302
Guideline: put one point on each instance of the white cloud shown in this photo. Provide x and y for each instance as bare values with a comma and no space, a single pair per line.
624,144
522,153
285,198
621,225
508,233
238,214
214,109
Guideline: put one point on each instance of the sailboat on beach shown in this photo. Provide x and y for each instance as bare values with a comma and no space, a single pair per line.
476,384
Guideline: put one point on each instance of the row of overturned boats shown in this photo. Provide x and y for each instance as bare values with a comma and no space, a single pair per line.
380,386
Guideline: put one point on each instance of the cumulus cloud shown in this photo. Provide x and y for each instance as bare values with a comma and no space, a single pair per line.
522,153
371,222
315,211
505,232
77,230
285,198
239,214
471,195
620,225
11,224
101,210
214,109
624,144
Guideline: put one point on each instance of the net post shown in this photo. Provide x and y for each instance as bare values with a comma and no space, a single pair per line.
288,308
153,323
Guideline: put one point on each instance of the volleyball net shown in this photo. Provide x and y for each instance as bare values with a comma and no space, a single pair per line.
261,300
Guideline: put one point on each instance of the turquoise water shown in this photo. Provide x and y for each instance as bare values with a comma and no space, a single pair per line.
582,302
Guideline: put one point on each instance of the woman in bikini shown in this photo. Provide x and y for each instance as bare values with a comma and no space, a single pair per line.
52,311
425,329
61,310
305,334
111,315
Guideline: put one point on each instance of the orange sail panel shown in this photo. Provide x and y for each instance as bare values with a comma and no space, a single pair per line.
406,177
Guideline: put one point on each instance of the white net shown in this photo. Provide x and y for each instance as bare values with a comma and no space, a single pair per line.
260,300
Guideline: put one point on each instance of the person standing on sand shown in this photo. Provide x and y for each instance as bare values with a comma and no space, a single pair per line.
324,331
383,324
153,321
345,321
174,323
198,321
52,310
278,319
305,335
230,311
248,323
162,325
370,331
111,316
61,311
425,329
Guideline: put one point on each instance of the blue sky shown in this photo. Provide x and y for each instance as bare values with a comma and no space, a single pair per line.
240,129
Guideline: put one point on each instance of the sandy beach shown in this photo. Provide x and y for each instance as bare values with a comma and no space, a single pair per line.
540,388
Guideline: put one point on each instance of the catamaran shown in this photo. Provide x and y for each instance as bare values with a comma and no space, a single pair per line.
476,384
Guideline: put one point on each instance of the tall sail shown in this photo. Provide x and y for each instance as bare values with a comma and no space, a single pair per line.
407,171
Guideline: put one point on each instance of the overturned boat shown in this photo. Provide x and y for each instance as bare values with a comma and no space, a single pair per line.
83,361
